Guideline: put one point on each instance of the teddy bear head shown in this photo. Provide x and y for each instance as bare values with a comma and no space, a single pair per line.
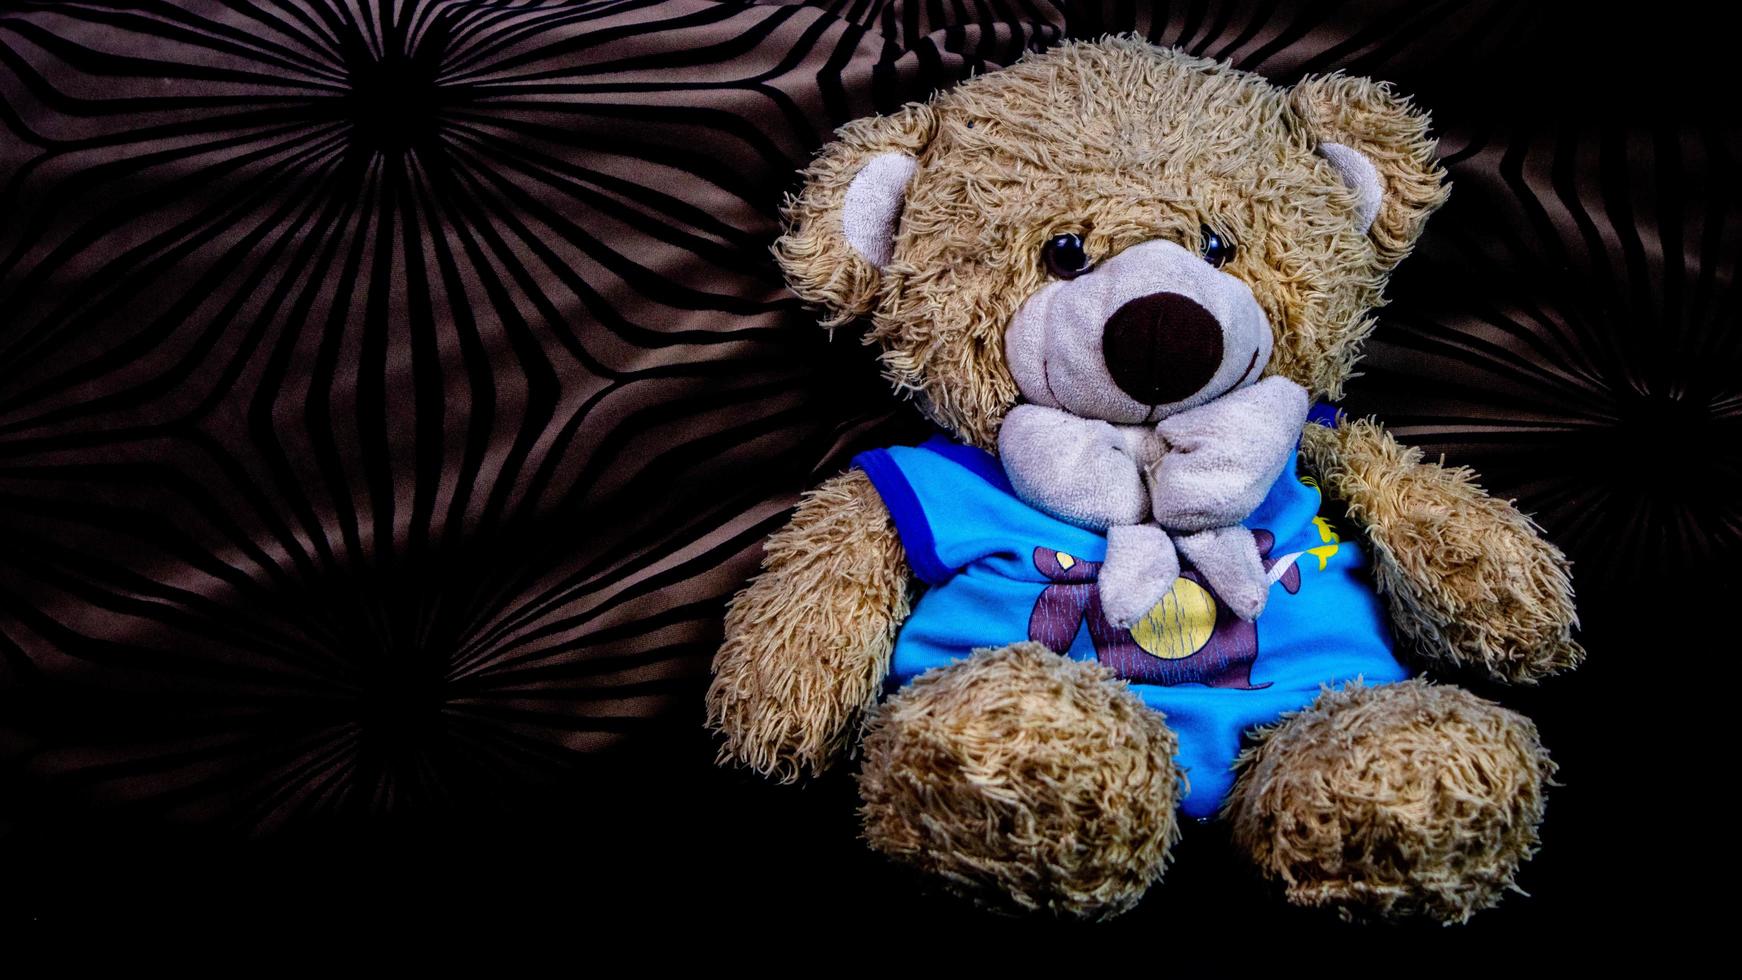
1115,229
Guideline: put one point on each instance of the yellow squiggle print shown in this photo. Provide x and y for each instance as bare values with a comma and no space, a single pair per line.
1327,534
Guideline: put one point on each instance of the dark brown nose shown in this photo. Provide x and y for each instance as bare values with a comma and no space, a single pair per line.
1162,347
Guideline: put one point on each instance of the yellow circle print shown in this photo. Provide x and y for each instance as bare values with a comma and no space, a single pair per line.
1180,624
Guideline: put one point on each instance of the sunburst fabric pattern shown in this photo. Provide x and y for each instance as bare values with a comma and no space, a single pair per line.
391,393
1569,326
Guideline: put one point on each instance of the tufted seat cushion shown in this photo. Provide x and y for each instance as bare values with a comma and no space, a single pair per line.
392,394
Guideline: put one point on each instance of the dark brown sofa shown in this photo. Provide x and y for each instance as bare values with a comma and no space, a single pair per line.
390,402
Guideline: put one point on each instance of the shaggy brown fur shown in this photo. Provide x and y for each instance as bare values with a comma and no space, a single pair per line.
819,264
1368,116
808,642
1120,142
1470,582
1026,780
1392,801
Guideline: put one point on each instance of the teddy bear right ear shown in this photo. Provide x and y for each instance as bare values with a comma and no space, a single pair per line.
840,228
1378,143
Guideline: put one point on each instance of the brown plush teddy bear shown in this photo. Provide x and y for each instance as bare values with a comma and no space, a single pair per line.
1147,264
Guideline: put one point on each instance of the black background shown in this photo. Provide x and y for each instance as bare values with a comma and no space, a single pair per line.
652,836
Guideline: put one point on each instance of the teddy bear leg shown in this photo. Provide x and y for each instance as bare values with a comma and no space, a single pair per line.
1026,781
1392,801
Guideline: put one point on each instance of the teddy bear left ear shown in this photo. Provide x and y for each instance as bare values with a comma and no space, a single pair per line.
841,227
1378,144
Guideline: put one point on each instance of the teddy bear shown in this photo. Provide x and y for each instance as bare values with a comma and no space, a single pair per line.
1127,285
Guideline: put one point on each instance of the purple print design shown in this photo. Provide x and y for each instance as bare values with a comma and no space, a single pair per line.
1190,637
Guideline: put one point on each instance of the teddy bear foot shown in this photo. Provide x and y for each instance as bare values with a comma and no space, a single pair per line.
1402,800
1025,781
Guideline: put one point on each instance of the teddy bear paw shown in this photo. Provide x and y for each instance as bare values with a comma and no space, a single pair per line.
1403,800
1024,781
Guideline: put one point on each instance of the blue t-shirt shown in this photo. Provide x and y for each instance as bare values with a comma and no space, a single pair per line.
999,571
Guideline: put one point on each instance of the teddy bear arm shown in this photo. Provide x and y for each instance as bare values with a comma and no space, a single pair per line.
1470,582
808,642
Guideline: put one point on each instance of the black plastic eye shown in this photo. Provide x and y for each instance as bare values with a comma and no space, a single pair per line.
1218,251
1064,257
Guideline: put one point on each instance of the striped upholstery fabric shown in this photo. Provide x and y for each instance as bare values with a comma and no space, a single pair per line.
393,391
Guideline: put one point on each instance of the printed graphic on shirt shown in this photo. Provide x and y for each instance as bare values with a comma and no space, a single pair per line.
1189,637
